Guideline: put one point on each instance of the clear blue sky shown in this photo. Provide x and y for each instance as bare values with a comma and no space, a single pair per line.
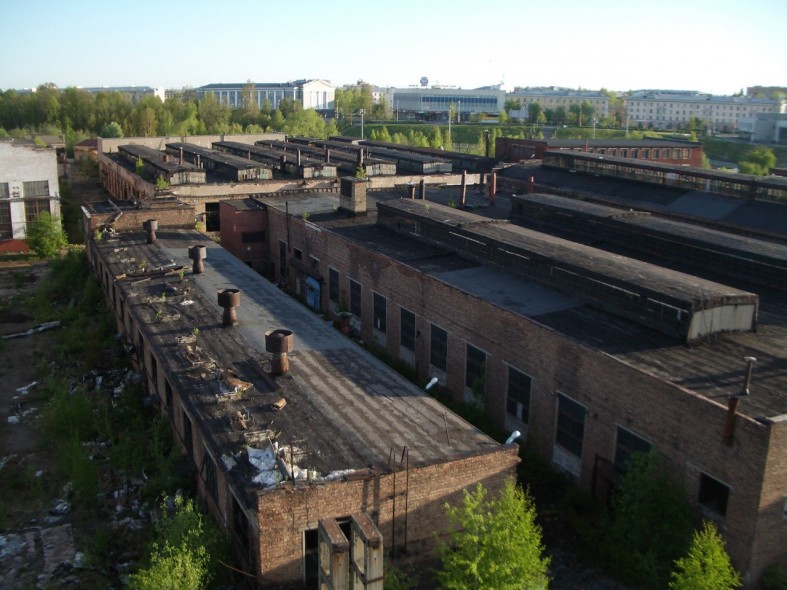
717,46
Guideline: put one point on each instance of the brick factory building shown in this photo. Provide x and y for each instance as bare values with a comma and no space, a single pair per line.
580,349
677,152
292,427
592,354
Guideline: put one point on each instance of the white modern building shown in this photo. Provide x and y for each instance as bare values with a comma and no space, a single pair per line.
671,109
764,128
28,186
311,94
437,100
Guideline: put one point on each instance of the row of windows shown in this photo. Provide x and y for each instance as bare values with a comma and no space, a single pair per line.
32,188
712,494
571,415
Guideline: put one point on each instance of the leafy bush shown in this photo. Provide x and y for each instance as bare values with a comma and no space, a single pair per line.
185,551
706,566
496,544
45,235
651,523
773,578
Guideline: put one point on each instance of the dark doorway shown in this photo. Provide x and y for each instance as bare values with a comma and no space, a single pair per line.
212,222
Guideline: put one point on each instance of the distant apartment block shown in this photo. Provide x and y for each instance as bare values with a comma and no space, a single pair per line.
136,93
554,98
28,186
311,94
666,108
435,101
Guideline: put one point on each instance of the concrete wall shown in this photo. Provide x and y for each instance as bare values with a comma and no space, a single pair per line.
683,426
110,145
20,163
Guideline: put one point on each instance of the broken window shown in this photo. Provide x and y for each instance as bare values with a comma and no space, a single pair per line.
438,348
380,313
187,440
518,395
570,425
407,329
628,443
355,298
475,370
713,494
333,285
209,473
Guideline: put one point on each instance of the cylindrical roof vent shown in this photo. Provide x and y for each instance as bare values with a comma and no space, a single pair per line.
279,343
198,254
229,299
150,226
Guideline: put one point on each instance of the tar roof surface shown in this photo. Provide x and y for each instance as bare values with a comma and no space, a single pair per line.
712,368
345,409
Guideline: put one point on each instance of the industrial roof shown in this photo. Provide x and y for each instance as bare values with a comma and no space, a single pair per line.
345,409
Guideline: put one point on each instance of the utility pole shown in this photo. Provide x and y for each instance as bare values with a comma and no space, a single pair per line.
362,111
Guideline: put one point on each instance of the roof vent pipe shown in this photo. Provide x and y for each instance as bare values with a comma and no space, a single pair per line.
229,299
732,403
279,343
198,254
150,226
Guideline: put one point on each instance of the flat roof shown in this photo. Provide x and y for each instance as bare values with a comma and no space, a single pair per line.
345,408
712,367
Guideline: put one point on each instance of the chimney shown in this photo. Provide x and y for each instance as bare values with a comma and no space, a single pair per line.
181,156
352,195
298,154
732,403
327,155
197,254
530,182
166,157
493,187
410,191
279,343
422,189
150,226
229,299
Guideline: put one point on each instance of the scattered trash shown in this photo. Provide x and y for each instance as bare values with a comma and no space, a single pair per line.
39,328
13,419
186,302
26,389
61,508
4,460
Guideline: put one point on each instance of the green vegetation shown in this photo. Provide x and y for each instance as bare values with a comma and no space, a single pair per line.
497,543
706,566
725,150
651,523
45,236
773,578
758,162
185,552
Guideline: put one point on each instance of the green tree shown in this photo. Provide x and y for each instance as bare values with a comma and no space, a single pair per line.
111,129
185,551
758,162
651,523
45,235
214,116
497,544
533,111
706,566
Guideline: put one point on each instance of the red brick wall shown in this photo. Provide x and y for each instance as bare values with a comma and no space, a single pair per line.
686,428
234,223
286,512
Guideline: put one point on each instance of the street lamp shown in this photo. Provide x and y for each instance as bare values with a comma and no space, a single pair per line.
594,127
397,110
459,111
362,111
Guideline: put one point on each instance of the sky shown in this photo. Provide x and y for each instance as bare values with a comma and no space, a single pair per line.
716,46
